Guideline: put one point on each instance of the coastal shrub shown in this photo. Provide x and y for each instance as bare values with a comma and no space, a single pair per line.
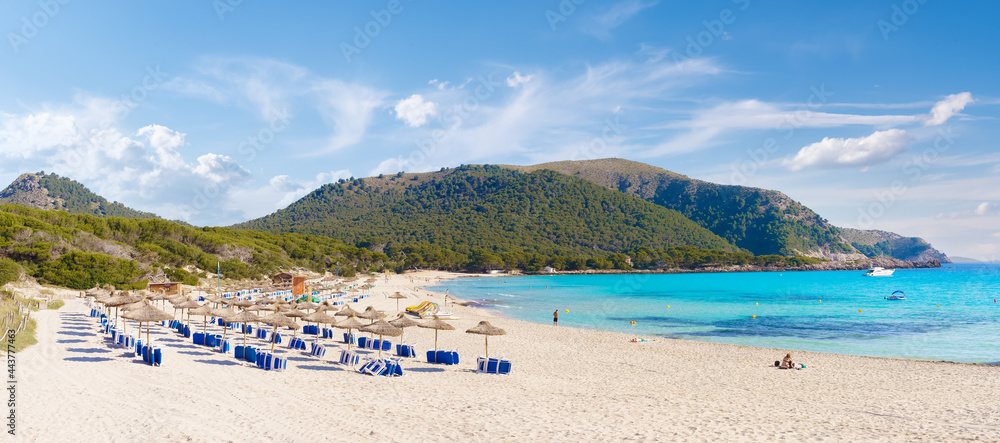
9,271
84,270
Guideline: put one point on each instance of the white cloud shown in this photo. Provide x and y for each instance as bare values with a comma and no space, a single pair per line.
144,170
862,152
947,108
414,110
986,208
518,79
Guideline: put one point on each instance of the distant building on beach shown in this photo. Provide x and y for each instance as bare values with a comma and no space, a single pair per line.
549,270
169,288
296,282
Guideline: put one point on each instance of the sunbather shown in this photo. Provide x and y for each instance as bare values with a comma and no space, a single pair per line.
787,362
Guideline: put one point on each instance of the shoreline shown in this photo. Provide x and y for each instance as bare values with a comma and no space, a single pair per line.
566,384
499,314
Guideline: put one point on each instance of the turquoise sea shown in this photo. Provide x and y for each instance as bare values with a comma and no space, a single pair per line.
949,312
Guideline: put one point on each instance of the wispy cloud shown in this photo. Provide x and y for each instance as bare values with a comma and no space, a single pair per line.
947,108
602,23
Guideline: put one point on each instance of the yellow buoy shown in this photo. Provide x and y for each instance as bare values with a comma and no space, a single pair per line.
821,301
939,306
859,310
632,322
668,306
567,310
755,316
756,304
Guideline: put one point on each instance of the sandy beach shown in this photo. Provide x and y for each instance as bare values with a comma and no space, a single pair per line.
566,384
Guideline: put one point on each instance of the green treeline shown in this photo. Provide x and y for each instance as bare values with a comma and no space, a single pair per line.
76,250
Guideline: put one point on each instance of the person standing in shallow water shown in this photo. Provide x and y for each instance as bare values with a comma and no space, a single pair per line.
555,318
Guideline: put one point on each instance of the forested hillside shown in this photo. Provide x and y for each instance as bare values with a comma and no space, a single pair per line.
489,208
758,220
50,191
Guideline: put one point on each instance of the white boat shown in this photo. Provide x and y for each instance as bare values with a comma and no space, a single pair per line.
878,271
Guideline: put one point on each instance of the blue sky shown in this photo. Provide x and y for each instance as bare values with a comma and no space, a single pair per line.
876,114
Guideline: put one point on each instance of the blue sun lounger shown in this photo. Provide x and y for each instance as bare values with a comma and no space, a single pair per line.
493,365
349,358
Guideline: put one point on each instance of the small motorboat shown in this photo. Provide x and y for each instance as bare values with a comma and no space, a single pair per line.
896,295
878,271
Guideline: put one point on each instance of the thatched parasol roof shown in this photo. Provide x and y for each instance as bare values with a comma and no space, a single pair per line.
437,324
383,327
347,312
279,319
485,328
319,317
295,313
402,321
243,317
397,295
307,305
147,313
203,311
186,304
240,303
120,300
371,314
350,323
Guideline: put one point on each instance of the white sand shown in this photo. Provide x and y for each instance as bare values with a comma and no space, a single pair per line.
566,385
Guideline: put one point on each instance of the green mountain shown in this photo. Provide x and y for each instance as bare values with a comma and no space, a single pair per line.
41,191
758,220
873,243
79,251
488,208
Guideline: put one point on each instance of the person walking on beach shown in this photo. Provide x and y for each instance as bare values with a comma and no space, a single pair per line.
555,318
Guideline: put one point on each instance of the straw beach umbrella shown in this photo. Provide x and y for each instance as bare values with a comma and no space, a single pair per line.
245,318
147,314
240,303
381,328
117,301
346,312
293,314
186,305
437,325
486,329
279,319
403,322
397,296
350,323
319,318
224,314
204,312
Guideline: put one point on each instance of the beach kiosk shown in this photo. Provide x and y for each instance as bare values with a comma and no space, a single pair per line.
286,279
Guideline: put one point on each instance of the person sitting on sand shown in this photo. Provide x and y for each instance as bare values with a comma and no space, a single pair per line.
787,362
